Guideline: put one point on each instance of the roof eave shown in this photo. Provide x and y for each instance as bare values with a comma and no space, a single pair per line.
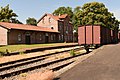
34,30
42,17
5,27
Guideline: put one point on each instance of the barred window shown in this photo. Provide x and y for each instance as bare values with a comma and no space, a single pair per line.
51,37
49,20
62,37
59,37
19,37
54,36
40,37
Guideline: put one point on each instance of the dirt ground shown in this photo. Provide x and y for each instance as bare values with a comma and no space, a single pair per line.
104,65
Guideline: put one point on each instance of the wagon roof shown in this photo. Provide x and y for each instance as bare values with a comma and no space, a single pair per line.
89,25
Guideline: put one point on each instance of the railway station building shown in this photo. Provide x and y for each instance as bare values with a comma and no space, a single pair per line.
50,29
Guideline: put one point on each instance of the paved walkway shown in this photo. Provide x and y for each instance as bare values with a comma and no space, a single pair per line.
104,65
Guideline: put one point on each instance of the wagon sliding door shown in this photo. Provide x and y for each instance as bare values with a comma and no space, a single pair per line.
93,34
96,35
81,35
89,33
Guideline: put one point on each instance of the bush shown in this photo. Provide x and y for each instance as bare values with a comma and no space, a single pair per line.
7,52
23,74
72,52
1,53
4,53
21,53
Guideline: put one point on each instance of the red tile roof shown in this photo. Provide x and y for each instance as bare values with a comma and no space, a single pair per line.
63,16
54,17
58,17
25,27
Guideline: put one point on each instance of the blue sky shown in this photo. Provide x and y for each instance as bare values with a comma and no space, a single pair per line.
37,8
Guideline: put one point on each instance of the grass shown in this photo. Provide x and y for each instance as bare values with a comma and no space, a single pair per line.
23,74
72,52
21,53
13,48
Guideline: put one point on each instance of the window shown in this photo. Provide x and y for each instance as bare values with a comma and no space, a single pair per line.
46,34
66,28
54,36
51,37
40,37
59,37
27,33
43,21
62,37
49,20
60,27
66,32
69,28
71,37
68,38
19,37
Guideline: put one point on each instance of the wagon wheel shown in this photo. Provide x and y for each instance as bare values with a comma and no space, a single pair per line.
87,48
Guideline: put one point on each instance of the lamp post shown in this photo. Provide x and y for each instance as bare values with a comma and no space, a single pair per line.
74,31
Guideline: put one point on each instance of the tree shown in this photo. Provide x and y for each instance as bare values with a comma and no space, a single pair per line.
75,19
7,14
64,10
31,21
95,13
76,9
14,20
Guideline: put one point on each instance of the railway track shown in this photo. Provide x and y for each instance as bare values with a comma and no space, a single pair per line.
24,65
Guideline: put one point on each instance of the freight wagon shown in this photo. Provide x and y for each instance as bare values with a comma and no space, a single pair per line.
95,35
119,36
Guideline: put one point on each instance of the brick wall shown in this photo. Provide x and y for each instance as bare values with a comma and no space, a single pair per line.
3,36
13,37
61,30
47,21
35,37
68,30
63,26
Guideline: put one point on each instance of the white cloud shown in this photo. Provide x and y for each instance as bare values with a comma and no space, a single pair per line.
116,13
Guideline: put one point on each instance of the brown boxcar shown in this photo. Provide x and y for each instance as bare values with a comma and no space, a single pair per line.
93,35
119,36
115,36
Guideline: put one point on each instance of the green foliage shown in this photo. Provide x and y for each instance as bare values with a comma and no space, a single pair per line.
21,53
95,13
14,20
23,74
31,21
4,53
75,19
7,15
14,48
7,52
72,52
1,53
64,10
